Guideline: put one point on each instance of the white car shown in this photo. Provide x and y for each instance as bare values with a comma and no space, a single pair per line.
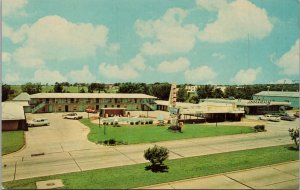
269,117
38,122
71,116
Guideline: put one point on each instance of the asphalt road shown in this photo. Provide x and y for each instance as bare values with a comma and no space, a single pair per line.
63,147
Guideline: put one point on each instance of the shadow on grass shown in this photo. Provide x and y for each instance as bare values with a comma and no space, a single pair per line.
157,168
292,148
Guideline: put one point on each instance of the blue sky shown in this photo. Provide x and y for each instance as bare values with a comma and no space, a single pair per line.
182,41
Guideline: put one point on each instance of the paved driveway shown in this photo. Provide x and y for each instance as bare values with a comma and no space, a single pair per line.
65,148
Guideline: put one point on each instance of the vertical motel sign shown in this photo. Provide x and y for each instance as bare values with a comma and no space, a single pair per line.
172,100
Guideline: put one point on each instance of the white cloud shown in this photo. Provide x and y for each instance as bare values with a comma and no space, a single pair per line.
137,62
11,78
6,57
113,48
211,5
48,76
117,72
218,55
13,7
55,38
130,70
289,62
175,66
168,34
200,74
246,76
15,36
83,75
235,21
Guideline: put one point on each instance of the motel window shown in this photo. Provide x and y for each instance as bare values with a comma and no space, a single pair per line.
118,106
97,100
105,106
135,100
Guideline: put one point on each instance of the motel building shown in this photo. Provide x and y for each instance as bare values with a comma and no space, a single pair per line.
78,102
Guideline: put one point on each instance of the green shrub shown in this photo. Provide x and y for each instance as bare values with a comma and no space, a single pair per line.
259,128
156,155
131,123
150,122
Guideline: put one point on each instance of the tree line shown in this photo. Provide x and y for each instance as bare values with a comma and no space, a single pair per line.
159,90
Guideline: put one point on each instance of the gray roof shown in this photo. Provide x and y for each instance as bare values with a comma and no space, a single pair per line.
278,93
243,102
90,95
22,97
12,111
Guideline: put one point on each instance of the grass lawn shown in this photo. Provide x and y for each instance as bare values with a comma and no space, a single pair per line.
12,141
151,133
136,176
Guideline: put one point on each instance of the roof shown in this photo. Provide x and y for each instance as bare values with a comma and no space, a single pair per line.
243,102
12,111
203,107
21,103
278,93
90,95
22,97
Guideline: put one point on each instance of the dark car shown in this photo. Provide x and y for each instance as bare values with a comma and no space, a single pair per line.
89,110
288,118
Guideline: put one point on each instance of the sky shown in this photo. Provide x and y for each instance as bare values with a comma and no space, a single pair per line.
184,41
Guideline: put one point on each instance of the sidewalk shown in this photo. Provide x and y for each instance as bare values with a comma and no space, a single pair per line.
278,176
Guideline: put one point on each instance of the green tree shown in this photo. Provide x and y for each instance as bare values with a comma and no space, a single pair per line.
82,90
294,134
58,88
182,94
160,90
205,91
32,88
230,91
6,91
218,93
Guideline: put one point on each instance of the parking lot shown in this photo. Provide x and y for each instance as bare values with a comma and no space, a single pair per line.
62,147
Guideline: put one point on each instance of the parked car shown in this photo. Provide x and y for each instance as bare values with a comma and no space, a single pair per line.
72,116
89,110
296,114
38,122
269,117
287,118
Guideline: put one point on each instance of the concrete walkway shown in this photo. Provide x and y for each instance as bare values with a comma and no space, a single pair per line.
278,176
67,149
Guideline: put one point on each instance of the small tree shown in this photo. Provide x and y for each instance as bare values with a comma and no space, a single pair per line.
294,133
156,155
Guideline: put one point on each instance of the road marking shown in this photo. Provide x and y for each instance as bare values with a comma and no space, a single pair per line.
75,161
238,181
125,155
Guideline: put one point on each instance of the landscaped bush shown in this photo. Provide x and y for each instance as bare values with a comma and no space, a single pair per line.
175,128
137,122
157,155
131,123
150,122
259,128
112,142
294,133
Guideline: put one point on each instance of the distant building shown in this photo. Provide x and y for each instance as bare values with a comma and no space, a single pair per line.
280,96
191,88
253,107
13,117
78,102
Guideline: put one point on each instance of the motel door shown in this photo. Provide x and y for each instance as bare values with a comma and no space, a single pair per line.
66,108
